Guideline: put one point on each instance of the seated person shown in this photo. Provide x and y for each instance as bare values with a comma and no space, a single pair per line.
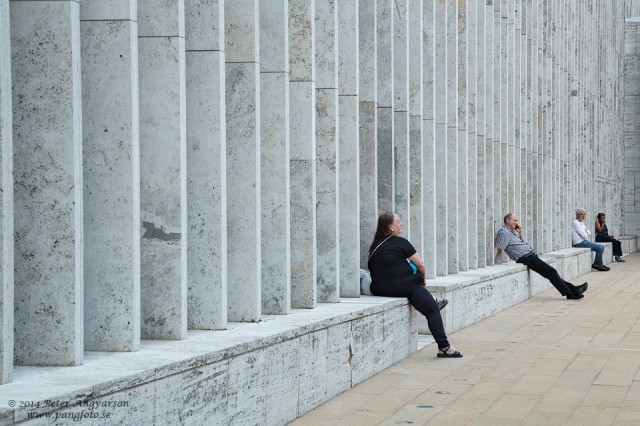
393,276
603,236
580,238
510,238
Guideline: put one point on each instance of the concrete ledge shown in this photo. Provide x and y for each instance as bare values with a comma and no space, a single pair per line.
574,261
477,294
254,373
629,243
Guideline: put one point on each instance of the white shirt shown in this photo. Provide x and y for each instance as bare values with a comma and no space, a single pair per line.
579,232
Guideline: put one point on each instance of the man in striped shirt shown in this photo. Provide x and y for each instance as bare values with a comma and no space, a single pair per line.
510,238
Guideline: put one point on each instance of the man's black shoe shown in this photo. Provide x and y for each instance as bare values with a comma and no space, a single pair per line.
599,267
581,288
574,296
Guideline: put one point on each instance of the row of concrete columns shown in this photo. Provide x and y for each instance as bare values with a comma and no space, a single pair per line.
183,164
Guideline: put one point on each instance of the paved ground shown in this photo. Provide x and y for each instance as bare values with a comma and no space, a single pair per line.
546,361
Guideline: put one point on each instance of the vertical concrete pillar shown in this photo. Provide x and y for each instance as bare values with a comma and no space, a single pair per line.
348,149
416,181
453,237
491,217
111,158
163,170
562,237
575,116
368,128
537,169
499,163
522,132
47,136
274,157
527,208
6,228
547,122
462,150
507,106
400,111
481,128
385,102
472,134
302,129
513,20
430,214
556,112
440,152
532,59
498,184
206,165
327,127
242,100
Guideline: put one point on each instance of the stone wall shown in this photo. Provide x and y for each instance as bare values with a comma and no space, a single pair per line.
190,164
631,211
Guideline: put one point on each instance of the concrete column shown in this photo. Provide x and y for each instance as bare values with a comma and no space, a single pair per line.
537,169
472,135
507,106
206,165
498,87
478,16
348,149
453,237
532,188
491,217
416,153
440,152
385,105
368,128
514,87
496,75
527,209
274,157
47,136
6,228
111,158
548,201
521,38
400,109
163,180
327,127
462,153
430,214
303,153
556,116
242,100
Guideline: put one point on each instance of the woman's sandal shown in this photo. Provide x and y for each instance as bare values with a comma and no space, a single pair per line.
442,304
442,353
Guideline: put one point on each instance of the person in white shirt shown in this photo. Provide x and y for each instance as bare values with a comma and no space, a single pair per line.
580,238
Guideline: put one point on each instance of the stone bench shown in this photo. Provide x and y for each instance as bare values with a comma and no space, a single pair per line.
478,294
574,261
254,373
629,243
475,295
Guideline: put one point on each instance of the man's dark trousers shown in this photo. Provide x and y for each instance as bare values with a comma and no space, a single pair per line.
541,267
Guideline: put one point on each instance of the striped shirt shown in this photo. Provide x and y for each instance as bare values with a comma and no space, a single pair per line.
510,242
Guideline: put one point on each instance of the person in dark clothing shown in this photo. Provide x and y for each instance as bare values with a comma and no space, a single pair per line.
393,276
603,236
510,238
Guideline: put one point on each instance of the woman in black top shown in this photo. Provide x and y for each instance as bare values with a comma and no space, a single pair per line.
393,276
603,236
